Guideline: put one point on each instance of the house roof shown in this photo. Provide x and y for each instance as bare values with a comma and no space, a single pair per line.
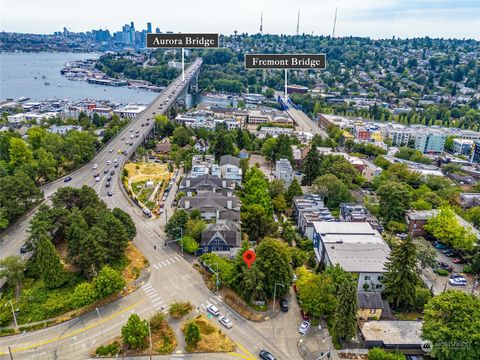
229,160
369,300
206,181
393,332
227,230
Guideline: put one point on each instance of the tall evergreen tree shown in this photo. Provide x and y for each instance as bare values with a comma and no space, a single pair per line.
127,222
311,166
252,284
345,317
47,262
401,276
293,190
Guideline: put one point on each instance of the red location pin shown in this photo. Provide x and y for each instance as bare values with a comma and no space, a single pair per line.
249,257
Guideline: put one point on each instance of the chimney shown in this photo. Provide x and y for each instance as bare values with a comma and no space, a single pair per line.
187,204
187,183
224,183
229,204
229,194
189,193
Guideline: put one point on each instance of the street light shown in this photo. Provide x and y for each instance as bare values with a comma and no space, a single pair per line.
13,312
98,312
274,293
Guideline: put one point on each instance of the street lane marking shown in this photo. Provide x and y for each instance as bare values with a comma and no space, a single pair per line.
155,266
246,351
76,332
240,356
168,262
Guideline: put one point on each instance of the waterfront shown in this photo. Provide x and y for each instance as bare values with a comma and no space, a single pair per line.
18,72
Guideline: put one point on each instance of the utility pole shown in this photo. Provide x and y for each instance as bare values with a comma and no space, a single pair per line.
150,335
261,23
10,352
13,313
274,293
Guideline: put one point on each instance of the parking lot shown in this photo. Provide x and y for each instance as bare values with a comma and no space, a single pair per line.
438,284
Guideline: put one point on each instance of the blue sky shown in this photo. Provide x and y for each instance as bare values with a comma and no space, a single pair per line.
373,18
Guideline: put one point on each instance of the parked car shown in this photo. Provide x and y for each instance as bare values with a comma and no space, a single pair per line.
109,178
94,166
450,253
147,212
110,193
439,245
115,160
97,179
111,150
105,171
283,305
445,266
23,249
112,172
458,282
116,165
304,327
67,179
107,184
212,309
265,355
453,276
109,162
225,322
458,260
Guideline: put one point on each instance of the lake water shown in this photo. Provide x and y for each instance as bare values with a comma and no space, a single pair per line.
18,72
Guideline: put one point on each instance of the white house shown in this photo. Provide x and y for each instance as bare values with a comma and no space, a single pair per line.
284,170
230,168
356,247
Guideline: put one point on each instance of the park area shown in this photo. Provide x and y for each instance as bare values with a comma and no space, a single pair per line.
146,182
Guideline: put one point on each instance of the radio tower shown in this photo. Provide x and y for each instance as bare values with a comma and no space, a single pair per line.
261,23
298,23
334,23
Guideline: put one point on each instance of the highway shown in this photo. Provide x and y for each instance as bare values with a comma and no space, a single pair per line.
172,276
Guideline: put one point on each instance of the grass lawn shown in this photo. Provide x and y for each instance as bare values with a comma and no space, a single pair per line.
211,338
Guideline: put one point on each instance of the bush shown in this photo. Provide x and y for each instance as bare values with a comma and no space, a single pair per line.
84,294
442,272
111,349
380,354
467,269
192,333
180,309
156,321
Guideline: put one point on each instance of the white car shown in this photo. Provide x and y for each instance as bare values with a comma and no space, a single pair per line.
97,179
212,309
109,162
225,322
304,327
115,160
111,150
94,166
458,281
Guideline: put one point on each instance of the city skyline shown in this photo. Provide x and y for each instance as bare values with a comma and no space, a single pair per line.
371,18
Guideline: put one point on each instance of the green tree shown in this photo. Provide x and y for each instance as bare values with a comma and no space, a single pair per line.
426,254
268,149
194,229
256,222
252,287
47,262
126,221
279,204
453,318
256,190
311,166
273,261
108,282
283,148
275,188
345,316
333,189
181,136
293,190
394,200
445,227
192,333
224,145
190,245
317,295
401,275
135,333
20,153
176,224
13,269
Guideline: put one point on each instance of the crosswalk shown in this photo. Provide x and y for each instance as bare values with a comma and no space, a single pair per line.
167,262
155,298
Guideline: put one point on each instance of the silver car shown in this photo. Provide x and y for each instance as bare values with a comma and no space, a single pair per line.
225,322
